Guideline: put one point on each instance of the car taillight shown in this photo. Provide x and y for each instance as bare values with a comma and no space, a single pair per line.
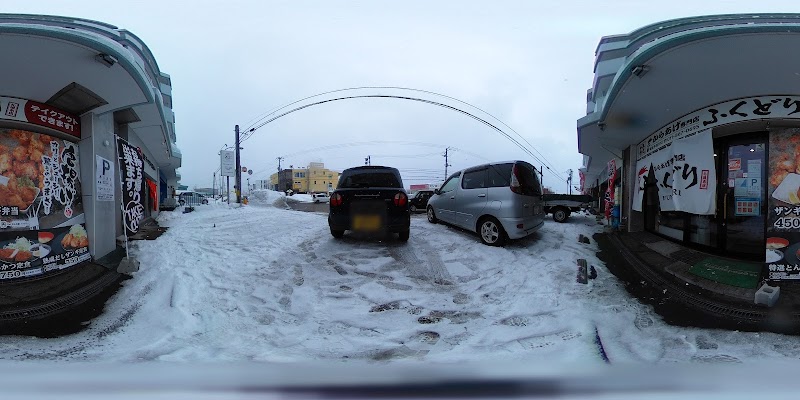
400,199
515,186
336,200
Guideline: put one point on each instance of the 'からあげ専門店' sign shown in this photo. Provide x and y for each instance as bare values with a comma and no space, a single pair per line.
32,112
681,153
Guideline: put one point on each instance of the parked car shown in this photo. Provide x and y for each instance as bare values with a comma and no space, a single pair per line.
192,198
419,201
499,201
370,199
320,197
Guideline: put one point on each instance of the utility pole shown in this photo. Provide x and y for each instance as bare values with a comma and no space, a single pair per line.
278,187
238,182
368,160
214,186
446,164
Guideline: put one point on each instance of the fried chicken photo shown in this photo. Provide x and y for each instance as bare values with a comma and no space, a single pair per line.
65,242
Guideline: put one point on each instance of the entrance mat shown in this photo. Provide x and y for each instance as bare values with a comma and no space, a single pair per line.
728,272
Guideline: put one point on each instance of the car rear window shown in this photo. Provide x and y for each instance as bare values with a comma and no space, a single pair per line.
528,179
500,175
368,178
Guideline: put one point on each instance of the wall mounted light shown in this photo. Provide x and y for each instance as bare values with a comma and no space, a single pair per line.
640,70
106,59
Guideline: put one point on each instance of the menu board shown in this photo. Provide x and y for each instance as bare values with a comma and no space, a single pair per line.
40,200
783,222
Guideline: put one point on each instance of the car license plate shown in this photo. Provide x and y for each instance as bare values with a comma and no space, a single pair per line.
366,223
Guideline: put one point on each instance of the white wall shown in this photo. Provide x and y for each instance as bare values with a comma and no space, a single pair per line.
102,217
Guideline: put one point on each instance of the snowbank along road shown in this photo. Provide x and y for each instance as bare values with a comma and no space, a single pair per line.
265,283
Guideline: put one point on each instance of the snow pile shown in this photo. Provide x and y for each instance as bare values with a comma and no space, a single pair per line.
264,197
265,283
300,198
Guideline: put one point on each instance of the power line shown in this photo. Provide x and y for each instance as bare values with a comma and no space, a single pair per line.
479,119
541,158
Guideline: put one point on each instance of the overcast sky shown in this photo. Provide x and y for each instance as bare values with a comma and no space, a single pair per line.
528,63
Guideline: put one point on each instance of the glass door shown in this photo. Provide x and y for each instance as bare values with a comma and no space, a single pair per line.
743,196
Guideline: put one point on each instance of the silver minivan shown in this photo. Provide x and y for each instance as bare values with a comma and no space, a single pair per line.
499,201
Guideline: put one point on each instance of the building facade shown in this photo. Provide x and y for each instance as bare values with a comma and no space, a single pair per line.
70,88
312,179
695,125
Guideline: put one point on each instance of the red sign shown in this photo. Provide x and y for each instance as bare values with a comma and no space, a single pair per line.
39,114
735,164
704,179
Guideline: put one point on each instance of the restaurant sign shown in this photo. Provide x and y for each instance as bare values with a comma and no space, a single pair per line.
42,223
32,112
743,109
783,221
685,176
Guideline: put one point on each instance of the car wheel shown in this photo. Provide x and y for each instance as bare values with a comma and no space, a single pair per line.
413,208
316,201
337,234
491,232
205,201
431,215
560,215
403,236
181,202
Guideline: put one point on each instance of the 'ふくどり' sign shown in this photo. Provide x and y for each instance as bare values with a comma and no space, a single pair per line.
32,112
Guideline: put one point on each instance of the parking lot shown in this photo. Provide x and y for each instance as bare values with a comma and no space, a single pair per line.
266,283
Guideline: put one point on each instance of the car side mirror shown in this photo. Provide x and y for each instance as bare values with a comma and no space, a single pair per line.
437,191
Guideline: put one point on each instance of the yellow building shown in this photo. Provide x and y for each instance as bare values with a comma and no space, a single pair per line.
313,179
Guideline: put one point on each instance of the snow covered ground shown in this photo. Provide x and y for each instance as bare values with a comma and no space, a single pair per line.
265,283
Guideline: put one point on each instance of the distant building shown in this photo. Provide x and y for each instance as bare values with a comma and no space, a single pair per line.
312,179
263,184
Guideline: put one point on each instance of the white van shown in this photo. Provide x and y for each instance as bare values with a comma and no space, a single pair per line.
320,197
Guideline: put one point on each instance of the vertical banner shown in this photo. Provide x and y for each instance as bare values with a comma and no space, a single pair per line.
612,177
582,179
42,224
783,222
132,175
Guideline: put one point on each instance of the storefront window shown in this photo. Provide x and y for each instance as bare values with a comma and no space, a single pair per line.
671,223
703,230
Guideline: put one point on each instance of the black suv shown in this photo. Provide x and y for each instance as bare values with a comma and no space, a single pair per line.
419,201
370,199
